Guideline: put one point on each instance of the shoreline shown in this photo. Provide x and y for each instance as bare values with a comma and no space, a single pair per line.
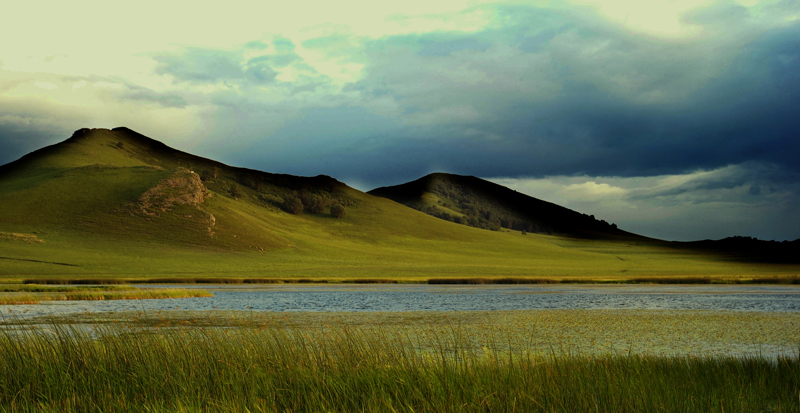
767,280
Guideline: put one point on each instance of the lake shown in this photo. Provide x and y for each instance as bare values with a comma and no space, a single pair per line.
416,297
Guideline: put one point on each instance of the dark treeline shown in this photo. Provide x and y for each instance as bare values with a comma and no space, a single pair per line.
292,194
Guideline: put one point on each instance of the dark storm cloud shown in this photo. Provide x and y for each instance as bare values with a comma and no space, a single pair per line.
540,92
20,139
552,93
753,178
555,94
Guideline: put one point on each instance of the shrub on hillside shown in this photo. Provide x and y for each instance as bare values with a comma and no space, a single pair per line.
209,174
293,205
316,204
235,191
337,211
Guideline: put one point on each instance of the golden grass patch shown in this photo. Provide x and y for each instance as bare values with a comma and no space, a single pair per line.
14,237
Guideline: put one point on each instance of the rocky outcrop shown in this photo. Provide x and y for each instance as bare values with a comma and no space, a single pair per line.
182,187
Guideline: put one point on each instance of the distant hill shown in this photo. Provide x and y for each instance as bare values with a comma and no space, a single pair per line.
479,203
749,249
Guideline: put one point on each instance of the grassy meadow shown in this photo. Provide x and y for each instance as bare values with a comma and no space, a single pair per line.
349,252
402,259
268,365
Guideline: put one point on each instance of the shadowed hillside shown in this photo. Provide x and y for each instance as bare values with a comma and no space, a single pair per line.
749,249
478,203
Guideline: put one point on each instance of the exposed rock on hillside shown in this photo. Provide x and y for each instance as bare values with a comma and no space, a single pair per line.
182,187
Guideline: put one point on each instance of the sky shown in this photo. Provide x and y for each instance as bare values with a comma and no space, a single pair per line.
675,119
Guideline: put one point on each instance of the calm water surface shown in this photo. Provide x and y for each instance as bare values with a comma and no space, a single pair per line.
366,298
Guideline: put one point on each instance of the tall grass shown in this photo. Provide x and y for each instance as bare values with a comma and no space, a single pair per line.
339,369
507,280
80,294
82,281
35,288
638,280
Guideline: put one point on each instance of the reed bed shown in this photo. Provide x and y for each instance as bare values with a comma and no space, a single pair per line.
372,281
191,280
39,295
450,280
481,281
639,280
79,281
710,280
115,368
35,288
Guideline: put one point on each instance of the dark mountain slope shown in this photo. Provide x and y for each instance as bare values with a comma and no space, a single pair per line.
479,203
748,249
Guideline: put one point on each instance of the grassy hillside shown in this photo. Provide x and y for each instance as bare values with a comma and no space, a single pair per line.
113,204
479,203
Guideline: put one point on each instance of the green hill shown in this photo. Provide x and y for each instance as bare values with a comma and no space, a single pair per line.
113,204
121,184
479,203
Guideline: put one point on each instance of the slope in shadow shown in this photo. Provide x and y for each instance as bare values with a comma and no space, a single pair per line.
479,203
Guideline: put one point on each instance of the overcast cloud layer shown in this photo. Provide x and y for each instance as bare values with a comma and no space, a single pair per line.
674,119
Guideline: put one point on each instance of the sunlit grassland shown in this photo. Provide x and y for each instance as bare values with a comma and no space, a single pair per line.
340,367
358,246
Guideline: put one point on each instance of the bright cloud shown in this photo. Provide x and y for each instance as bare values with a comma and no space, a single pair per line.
592,190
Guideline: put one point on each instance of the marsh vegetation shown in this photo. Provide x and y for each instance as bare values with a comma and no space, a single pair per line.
11,294
271,366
